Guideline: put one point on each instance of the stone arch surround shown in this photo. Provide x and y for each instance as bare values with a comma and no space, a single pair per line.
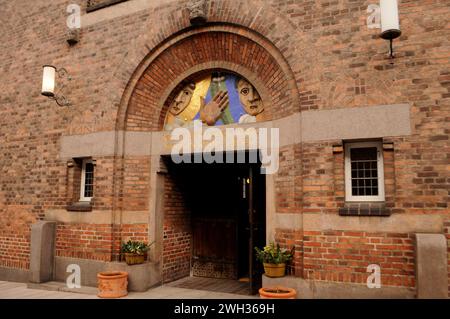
230,48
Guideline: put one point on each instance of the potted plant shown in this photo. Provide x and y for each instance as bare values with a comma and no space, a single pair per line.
135,252
112,284
274,259
277,293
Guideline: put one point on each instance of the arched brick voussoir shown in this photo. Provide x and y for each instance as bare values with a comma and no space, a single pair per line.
210,50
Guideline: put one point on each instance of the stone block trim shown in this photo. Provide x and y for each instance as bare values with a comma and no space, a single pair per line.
431,266
364,209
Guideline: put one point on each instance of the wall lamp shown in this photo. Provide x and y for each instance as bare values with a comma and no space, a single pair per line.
390,25
48,84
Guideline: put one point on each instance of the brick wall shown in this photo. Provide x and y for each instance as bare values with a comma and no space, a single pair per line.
288,181
343,256
96,241
136,184
292,239
85,241
15,236
177,231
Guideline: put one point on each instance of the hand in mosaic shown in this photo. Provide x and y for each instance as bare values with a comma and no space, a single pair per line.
182,100
210,113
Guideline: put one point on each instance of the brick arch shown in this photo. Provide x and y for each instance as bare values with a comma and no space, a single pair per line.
255,20
214,49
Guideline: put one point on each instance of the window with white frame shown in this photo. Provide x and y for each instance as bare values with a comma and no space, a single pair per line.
364,174
87,180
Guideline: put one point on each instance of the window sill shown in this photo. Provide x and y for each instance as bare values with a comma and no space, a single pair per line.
80,207
365,209
102,4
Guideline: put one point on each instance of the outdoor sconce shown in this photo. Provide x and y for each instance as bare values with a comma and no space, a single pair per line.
390,25
48,84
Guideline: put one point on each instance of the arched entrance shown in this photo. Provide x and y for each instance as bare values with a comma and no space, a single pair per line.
213,60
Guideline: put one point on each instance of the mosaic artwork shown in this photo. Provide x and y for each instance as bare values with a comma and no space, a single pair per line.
216,99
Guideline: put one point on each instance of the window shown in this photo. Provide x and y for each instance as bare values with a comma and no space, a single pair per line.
87,180
364,175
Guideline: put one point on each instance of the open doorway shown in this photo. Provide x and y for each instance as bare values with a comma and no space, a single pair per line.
225,207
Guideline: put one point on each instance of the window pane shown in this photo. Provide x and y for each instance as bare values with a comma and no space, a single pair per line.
363,154
364,174
89,180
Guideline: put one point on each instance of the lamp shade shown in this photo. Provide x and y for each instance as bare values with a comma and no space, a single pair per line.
48,81
390,25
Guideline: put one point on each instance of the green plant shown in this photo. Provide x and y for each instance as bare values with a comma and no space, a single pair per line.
274,254
135,247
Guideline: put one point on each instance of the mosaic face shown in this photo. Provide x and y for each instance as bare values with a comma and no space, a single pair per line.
182,100
249,97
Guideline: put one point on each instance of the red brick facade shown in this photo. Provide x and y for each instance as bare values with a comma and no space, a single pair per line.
344,256
177,232
300,55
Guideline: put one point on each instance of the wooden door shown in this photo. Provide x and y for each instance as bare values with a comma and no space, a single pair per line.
257,225
214,248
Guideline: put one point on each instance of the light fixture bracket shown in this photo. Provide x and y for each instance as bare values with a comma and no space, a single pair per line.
58,97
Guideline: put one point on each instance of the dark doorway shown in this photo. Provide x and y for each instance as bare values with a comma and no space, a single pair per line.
226,203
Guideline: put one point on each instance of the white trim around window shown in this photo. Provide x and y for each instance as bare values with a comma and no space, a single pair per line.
364,185
87,180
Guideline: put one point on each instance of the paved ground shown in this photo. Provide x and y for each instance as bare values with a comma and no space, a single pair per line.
13,290
212,284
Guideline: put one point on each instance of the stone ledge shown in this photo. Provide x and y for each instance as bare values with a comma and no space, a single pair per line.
80,207
14,274
364,209
140,277
308,289
99,4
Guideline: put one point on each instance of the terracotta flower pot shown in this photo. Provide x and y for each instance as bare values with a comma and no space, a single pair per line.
274,270
277,293
112,284
134,259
